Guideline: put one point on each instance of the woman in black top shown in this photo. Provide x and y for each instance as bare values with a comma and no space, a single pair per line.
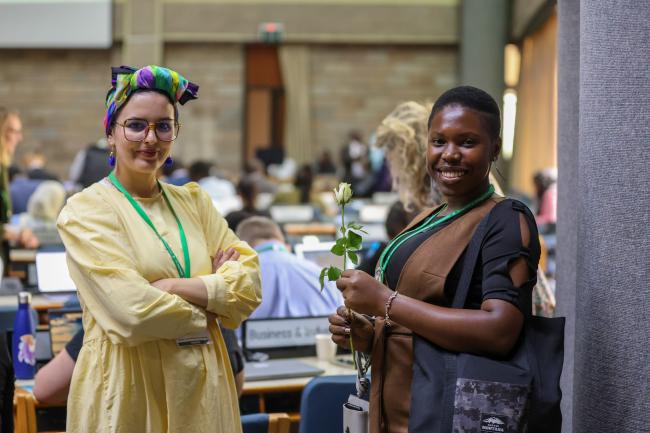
464,141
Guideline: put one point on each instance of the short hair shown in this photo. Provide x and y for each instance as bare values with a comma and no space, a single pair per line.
258,228
247,188
199,170
475,99
397,219
46,201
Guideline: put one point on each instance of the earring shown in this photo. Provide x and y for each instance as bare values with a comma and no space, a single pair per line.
111,159
169,161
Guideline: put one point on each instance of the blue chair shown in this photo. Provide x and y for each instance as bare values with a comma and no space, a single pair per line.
321,404
266,423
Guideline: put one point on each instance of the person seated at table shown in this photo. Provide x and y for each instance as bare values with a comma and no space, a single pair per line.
398,218
248,190
43,208
52,382
290,285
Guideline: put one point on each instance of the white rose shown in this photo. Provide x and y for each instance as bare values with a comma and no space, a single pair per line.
343,193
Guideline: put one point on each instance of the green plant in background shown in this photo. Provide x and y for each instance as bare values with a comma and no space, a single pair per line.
349,243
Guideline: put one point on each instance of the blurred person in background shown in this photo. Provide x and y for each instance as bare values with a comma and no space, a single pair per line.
396,221
303,182
325,163
175,173
255,171
90,164
247,190
156,271
403,136
203,173
221,190
546,194
21,189
34,163
11,134
43,209
354,159
290,284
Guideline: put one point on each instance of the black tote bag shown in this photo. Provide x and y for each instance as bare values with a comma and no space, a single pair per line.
467,393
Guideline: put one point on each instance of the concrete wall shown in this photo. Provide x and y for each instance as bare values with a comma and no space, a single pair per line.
356,87
60,95
365,57
212,125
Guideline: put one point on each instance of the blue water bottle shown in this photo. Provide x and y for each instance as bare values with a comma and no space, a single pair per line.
24,340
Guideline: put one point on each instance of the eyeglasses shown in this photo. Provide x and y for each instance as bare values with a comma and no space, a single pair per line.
138,129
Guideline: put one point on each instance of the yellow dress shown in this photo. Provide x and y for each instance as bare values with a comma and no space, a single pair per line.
131,376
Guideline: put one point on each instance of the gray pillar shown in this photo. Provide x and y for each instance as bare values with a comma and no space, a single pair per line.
484,35
567,225
612,220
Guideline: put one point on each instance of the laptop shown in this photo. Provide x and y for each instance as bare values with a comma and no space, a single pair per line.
52,274
282,337
292,213
274,369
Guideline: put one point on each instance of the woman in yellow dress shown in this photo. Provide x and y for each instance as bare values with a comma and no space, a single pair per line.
155,265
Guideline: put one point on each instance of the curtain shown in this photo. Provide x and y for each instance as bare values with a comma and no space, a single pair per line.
294,62
535,144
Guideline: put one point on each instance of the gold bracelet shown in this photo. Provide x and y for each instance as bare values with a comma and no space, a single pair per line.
389,303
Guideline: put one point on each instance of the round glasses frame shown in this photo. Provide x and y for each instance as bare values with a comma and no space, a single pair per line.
150,125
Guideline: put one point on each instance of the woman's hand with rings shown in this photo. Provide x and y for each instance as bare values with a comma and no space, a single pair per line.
362,293
342,325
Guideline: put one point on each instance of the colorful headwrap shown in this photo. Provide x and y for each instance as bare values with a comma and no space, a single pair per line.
127,80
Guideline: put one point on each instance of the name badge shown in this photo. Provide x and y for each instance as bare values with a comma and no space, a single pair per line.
200,339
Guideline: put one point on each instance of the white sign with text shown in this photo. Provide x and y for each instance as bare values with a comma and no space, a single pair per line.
289,332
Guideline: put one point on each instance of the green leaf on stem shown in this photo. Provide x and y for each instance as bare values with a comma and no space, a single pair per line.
333,273
323,272
339,247
357,227
354,241
353,257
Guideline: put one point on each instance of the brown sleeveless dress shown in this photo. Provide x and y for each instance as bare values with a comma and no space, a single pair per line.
423,278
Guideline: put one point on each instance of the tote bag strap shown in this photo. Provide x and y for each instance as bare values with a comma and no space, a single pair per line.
471,256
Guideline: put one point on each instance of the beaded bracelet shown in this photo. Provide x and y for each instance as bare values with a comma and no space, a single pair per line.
389,303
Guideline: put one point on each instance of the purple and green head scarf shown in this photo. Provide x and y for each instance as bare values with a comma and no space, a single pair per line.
127,80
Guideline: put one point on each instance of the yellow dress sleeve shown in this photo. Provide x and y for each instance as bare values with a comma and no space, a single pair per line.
122,302
234,291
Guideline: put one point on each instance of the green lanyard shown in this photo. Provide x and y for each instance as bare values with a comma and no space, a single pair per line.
429,223
182,273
